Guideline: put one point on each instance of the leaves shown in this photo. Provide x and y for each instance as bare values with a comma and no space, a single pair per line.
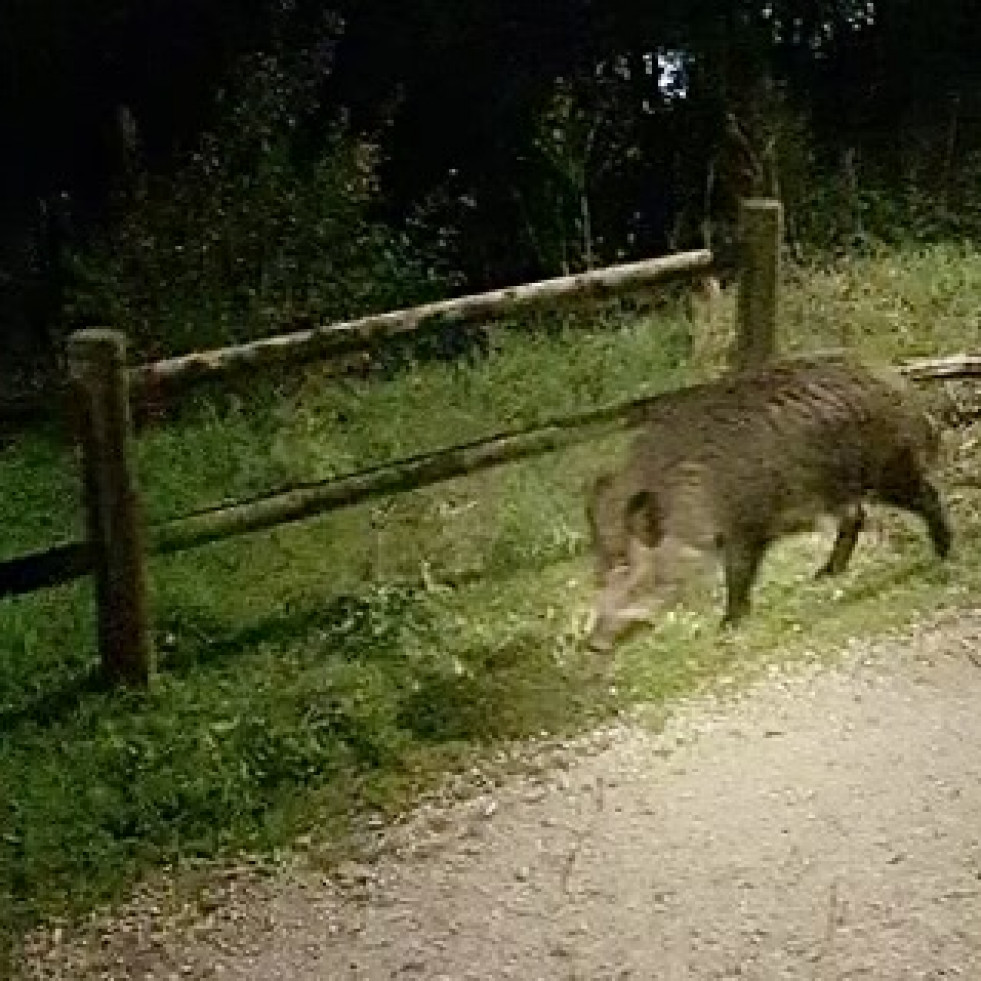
257,232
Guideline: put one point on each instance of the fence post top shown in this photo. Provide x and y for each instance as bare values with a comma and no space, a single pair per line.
97,344
761,204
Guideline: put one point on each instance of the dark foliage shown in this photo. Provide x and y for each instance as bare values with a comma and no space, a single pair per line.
501,139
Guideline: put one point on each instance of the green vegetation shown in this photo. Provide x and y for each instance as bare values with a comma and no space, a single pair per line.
343,664
250,236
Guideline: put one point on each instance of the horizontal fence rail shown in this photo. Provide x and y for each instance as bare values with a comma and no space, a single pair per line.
943,369
355,335
350,337
52,567
393,478
64,563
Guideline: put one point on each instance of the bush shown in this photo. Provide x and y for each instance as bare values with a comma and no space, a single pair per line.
262,228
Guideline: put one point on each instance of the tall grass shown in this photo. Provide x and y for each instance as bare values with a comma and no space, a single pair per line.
342,663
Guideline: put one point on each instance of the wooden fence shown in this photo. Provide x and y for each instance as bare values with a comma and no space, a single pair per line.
104,388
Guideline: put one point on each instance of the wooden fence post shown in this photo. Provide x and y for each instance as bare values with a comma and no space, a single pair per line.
760,234
114,513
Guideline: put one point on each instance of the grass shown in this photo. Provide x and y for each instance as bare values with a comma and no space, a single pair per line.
890,306
308,673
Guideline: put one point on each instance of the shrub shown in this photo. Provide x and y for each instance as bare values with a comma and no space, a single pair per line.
263,227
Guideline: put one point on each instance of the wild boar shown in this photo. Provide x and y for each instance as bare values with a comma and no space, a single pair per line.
723,469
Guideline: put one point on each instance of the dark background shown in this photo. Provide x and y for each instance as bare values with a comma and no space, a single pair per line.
322,160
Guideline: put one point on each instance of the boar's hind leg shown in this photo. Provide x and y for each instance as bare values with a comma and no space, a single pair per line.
742,562
920,497
850,523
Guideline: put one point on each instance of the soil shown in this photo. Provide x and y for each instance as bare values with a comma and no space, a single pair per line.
823,824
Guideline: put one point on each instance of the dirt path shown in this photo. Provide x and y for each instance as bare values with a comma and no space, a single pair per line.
826,825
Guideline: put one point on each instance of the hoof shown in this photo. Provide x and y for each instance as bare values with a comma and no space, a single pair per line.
731,621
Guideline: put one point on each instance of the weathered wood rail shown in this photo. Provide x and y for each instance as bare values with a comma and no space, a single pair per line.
102,391
335,340
65,563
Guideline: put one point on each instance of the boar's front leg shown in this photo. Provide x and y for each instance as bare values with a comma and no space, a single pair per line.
743,554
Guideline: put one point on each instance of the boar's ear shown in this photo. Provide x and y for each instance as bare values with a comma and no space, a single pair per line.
643,518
